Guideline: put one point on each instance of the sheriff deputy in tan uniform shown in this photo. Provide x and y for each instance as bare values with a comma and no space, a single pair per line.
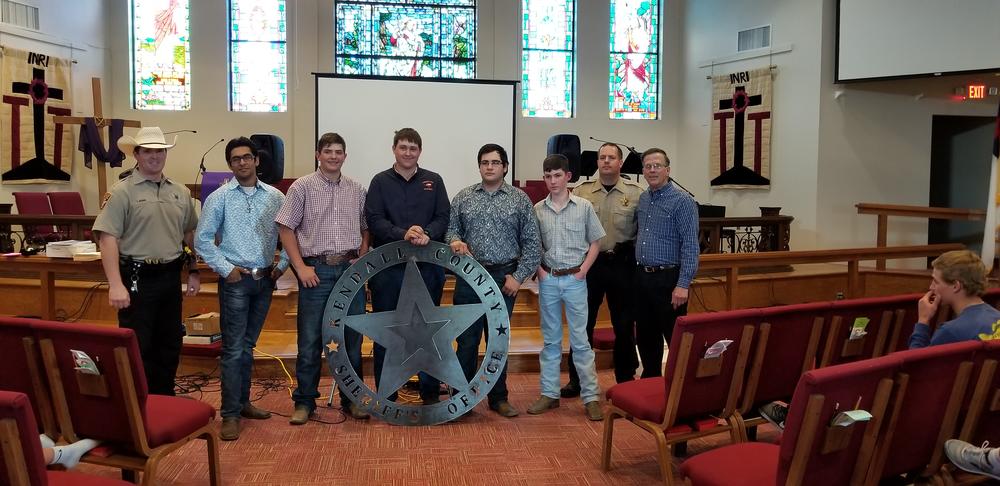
145,223
615,200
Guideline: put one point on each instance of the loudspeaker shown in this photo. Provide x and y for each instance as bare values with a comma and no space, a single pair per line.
588,163
568,145
271,153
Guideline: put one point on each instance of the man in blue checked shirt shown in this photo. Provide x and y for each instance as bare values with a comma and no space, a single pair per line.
240,217
666,251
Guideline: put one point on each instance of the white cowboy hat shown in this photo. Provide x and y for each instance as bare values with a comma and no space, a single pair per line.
149,137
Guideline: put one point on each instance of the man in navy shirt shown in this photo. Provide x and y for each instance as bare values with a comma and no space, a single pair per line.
957,281
406,202
666,251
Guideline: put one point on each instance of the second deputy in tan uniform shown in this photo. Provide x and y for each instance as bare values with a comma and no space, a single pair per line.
143,228
614,199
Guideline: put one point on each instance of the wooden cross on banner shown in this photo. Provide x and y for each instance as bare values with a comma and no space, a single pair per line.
102,171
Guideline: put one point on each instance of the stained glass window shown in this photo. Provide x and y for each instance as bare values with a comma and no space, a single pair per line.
161,55
548,58
633,73
257,68
425,38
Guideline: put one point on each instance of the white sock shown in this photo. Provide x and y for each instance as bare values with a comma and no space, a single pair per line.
69,455
47,443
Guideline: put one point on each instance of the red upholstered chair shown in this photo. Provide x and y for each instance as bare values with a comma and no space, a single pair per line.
23,463
604,338
70,203
883,314
899,337
35,203
535,193
283,185
933,384
785,346
983,418
812,452
683,404
22,370
981,408
115,407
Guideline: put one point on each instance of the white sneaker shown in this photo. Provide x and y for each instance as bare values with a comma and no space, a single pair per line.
970,458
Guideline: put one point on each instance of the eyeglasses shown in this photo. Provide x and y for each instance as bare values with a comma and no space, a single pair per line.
490,162
248,158
653,166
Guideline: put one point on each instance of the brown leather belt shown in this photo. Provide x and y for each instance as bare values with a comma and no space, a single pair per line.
332,258
559,272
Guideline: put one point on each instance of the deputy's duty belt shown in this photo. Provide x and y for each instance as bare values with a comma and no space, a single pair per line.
657,268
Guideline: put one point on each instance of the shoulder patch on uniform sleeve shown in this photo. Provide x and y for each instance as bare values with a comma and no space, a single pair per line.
105,199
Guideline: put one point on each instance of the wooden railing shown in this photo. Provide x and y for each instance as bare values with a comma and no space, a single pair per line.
731,263
772,234
885,210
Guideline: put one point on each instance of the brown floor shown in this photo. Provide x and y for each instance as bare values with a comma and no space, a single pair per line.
559,447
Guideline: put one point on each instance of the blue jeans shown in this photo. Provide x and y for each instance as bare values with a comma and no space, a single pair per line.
553,294
243,308
385,287
468,341
313,335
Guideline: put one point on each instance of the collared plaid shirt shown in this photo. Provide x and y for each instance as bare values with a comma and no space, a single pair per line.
568,233
668,231
498,226
327,216
245,227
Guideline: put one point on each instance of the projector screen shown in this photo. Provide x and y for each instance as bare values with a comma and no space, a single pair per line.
909,38
454,119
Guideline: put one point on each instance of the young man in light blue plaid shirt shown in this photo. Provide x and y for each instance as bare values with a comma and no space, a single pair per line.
570,233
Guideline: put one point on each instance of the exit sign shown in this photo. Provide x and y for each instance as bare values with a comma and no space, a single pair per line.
977,91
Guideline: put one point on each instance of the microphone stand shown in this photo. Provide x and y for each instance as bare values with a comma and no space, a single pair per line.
201,165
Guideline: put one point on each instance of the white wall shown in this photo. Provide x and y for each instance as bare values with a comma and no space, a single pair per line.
70,30
871,144
875,146
710,32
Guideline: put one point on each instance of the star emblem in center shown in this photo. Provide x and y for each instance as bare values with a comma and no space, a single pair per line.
418,335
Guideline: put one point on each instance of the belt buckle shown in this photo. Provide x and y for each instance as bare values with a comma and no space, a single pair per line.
259,273
333,259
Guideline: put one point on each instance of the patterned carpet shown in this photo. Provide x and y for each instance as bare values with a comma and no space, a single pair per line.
558,447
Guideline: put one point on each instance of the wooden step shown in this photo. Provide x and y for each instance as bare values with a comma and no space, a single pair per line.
276,352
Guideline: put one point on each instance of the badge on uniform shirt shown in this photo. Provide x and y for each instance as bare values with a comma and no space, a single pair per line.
428,185
105,199
625,202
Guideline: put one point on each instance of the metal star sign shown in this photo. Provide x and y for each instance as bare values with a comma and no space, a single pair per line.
418,335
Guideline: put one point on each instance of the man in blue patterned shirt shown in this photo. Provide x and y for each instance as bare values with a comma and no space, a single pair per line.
495,223
666,251
237,238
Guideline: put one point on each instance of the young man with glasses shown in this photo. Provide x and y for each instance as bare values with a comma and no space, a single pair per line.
494,223
237,238
322,227
666,253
